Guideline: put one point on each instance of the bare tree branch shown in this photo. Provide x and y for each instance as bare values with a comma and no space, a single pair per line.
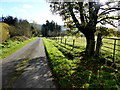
106,12
110,23
74,18
113,18
81,11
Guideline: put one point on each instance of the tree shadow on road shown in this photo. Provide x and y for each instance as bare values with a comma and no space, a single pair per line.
35,74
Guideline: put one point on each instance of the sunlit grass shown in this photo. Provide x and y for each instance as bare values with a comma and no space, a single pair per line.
13,46
107,45
77,73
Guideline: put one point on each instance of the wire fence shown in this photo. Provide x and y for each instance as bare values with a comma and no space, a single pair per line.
110,48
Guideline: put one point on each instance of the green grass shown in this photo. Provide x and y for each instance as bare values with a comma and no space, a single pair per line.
110,44
80,46
11,46
68,50
62,67
80,43
77,73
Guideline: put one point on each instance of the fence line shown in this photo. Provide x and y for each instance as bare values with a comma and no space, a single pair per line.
114,48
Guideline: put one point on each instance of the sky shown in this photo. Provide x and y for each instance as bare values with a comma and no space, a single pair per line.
32,10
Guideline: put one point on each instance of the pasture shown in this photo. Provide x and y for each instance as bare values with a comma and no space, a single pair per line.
71,71
110,48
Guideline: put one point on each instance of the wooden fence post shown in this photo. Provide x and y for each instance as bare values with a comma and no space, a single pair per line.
98,44
114,51
61,39
65,41
73,43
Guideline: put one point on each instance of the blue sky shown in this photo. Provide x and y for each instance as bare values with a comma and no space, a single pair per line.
37,10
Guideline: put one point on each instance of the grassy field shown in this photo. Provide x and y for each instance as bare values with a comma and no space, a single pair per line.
107,48
8,47
71,71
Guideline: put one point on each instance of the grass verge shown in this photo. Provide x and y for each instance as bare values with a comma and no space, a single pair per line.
62,67
79,73
11,47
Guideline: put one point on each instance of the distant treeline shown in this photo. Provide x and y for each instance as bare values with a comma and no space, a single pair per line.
107,31
51,29
12,26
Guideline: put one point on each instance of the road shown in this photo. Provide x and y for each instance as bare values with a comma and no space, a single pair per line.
36,75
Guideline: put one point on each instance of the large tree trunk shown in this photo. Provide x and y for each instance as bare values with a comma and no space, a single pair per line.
90,45
99,44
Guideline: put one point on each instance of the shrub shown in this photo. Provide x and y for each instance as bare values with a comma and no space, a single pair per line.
19,38
4,31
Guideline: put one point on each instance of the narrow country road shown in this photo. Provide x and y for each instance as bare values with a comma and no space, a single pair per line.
36,75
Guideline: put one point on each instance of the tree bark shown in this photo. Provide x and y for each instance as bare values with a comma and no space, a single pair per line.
99,44
90,45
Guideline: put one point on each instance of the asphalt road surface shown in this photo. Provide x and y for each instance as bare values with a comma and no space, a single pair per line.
36,75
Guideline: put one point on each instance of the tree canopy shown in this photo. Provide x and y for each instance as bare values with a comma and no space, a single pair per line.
20,27
4,32
50,29
10,20
85,16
